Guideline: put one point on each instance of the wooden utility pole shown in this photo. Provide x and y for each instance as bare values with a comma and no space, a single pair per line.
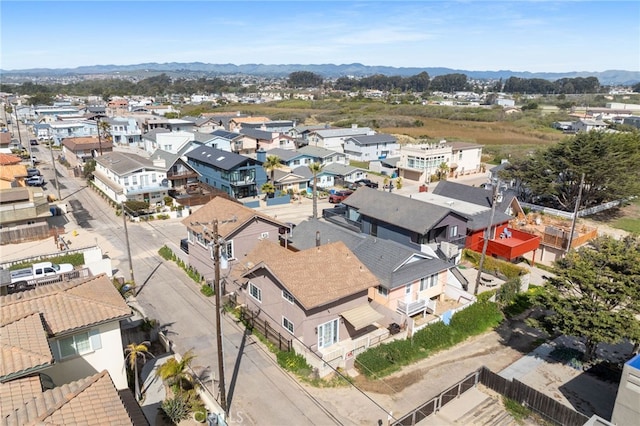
488,237
126,235
55,170
99,138
575,214
217,289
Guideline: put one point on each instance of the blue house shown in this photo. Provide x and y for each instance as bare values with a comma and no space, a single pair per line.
237,175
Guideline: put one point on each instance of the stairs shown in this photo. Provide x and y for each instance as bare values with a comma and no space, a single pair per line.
489,413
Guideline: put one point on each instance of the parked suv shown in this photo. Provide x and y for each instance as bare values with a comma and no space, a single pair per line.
35,181
339,196
367,182
33,172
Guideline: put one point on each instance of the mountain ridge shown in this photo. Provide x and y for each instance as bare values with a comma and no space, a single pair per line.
606,77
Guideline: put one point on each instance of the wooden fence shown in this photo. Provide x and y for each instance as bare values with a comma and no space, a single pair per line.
549,408
262,326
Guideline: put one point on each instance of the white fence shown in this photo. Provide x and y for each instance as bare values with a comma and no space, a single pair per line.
569,215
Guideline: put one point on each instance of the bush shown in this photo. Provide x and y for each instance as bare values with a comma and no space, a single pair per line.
207,290
76,259
389,357
296,363
507,269
176,409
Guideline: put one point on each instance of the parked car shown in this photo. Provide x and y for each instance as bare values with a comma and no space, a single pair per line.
33,142
35,181
339,196
33,172
367,182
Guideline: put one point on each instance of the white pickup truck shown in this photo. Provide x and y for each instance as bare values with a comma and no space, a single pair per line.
20,277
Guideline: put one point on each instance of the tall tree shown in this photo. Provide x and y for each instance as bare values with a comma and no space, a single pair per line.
134,352
551,176
595,294
315,168
271,164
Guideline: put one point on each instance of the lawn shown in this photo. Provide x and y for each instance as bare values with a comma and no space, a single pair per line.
630,218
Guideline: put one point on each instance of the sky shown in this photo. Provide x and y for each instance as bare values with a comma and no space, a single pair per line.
536,36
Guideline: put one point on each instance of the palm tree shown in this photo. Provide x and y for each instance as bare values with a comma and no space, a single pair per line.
177,372
271,164
315,169
268,188
443,169
134,351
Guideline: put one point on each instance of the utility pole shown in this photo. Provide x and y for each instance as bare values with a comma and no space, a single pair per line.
126,235
99,138
217,287
55,170
488,237
15,110
575,214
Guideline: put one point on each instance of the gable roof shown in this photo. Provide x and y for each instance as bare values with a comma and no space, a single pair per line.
9,159
339,169
122,163
225,134
316,151
69,306
407,213
74,144
471,194
24,347
388,260
347,131
231,217
256,133
92,400
305,273
224,160
284,155
364,140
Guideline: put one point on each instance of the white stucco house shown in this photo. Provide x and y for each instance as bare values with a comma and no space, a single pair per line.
124,177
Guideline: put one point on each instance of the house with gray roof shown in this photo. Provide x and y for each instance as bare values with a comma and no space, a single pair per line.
179,173
333,139
296,180
322,155
335,174
238,175
370,147
416,224
411,282
124,131
126,177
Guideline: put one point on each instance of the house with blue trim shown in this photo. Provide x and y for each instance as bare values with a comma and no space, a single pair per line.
237,175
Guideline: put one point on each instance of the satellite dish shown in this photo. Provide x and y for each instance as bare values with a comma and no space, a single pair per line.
165,182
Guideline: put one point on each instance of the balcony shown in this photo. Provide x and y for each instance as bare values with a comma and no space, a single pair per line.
412,308
243,181
181,175
512,244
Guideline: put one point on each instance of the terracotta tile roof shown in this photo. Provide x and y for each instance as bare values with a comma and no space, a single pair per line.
93,400
6,159
5,138
13,171
306,274
84,143
23,346
230,214
67,306
250,119
15,393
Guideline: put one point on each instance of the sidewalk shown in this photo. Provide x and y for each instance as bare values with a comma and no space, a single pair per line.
152,388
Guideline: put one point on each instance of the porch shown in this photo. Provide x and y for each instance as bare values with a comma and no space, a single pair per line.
419,306
512,244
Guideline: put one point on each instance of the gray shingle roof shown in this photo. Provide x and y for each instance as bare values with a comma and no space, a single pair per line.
372,139
473,194
256,133
202,137
284,154
414,215
315,151
386,259
349,131
339,169
225,134
122,163
218,158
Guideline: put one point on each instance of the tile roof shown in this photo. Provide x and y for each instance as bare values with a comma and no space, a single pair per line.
7,159
10,172
231,216
92,400
24,346
14,393
74,144
68,306
305,273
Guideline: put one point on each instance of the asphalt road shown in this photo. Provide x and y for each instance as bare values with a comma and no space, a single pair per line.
259,391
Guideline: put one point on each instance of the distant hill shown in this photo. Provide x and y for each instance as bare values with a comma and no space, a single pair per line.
609,77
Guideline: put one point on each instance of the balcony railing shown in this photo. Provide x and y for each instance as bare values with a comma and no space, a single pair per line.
412,308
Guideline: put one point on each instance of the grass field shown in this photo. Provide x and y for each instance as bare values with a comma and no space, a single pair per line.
630,218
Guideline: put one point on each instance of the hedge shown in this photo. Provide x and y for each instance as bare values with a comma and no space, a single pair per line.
507,269
384,359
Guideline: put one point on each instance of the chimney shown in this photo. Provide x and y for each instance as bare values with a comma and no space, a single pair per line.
261,155
317,238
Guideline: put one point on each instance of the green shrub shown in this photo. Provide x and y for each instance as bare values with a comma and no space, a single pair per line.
166,253
296,363
176,409
518,411
76,259
507,269
207,290
476,319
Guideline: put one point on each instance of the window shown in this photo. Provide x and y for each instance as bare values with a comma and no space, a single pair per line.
407,289
328,333
287,324
453,231
382,291
78,344
255,292
126,181
134,180
288,296
153,177
227,250
428,282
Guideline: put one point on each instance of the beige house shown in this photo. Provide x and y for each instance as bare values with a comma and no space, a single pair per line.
317,296
78,150
418,162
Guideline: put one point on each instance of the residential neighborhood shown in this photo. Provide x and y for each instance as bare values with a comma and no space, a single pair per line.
275,253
